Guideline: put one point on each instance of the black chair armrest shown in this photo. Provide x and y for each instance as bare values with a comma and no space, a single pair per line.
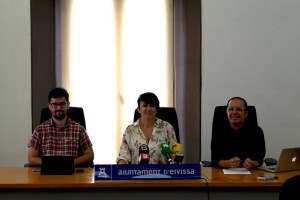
205,163
270,161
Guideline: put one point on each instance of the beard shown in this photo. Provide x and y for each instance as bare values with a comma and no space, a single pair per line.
59,115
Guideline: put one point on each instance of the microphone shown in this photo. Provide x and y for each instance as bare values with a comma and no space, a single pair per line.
144,156
177,153
166,151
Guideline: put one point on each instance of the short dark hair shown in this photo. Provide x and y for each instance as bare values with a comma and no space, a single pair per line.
148,98
58,92
240,98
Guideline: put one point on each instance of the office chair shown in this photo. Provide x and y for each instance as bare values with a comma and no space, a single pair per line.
220,121
168,114
290,189
75,113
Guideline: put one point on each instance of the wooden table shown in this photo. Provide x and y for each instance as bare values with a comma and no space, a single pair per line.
216,178
19,182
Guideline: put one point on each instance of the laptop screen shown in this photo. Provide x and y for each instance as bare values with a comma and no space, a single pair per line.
57,165
289,160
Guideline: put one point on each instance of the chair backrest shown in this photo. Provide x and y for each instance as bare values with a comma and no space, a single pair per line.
290,189
168,114
75,113
220,119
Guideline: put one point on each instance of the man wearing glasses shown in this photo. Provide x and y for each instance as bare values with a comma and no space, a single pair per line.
238,145
60,135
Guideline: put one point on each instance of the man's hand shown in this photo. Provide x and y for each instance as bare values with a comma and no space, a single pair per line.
235,162
250,164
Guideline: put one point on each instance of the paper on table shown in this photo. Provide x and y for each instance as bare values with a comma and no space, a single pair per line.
236,171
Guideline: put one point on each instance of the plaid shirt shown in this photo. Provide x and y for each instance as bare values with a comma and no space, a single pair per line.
72,139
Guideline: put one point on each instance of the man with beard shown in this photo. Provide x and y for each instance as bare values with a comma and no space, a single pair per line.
60,135
238,145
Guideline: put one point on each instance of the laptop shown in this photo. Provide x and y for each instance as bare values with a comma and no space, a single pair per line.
57,165
289,160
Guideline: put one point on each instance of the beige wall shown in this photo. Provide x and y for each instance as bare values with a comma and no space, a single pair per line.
15,81
251,49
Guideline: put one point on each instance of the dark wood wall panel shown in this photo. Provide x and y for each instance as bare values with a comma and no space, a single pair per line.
42,54
187,65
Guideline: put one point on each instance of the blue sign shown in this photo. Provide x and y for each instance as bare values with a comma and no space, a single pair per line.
152,171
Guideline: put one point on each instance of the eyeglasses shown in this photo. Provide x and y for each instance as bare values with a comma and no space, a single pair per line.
61,104
238,109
